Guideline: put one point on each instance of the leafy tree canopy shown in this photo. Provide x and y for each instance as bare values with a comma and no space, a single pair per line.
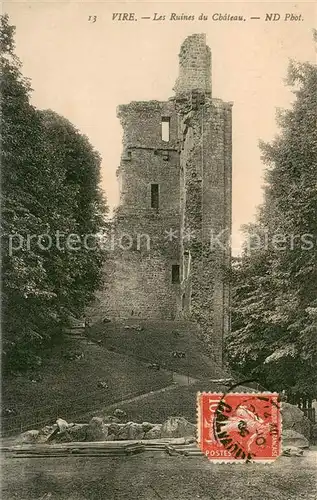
50,183
274,323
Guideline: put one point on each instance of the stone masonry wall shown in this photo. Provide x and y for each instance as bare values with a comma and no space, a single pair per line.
205,132
139,279
192,168
147,159
137,287
194,66
217,210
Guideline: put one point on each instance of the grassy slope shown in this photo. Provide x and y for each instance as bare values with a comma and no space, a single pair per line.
69,388
156,342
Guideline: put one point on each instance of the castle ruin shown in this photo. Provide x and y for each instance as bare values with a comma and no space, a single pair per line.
175,195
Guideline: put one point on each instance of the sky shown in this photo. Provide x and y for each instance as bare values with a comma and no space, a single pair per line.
84,70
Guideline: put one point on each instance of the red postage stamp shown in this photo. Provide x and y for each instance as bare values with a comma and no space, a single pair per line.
239,426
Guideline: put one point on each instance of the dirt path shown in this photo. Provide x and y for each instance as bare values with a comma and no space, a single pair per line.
148,477
179,380
108,409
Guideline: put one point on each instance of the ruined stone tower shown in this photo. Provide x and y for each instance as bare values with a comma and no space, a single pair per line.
166,261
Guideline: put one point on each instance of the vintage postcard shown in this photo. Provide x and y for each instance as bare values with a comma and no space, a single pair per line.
159,250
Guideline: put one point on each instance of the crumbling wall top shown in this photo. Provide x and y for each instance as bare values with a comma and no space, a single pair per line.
144,106
194,66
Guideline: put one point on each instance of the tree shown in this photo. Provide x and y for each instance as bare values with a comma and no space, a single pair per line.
78,208
275,283
50,184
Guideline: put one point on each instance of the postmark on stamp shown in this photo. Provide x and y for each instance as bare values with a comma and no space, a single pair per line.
239,426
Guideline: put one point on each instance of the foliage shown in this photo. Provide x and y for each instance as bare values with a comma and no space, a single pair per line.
50,177
274,322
